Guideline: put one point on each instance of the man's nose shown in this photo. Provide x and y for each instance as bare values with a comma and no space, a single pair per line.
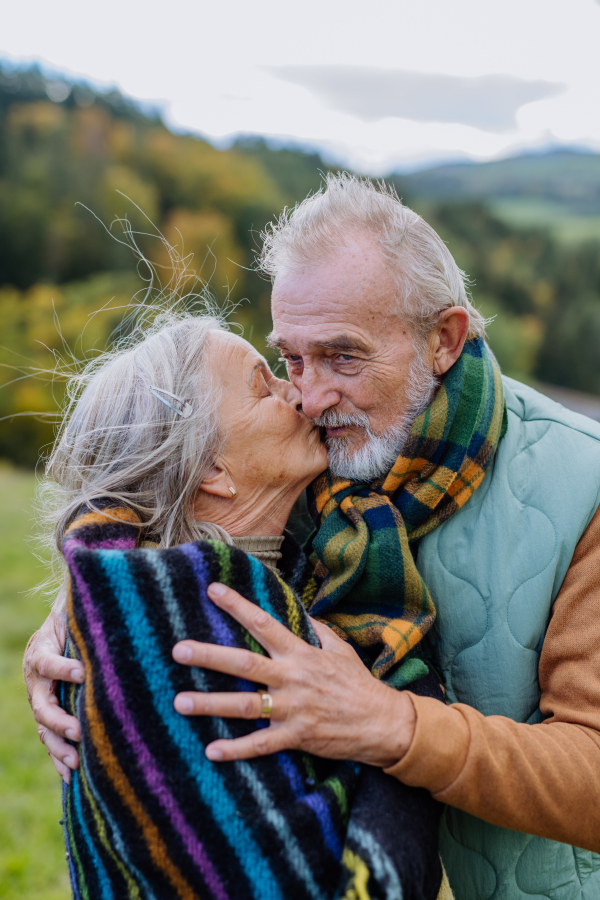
317,394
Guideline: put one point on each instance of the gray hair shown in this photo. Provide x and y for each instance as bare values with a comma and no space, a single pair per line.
427,277
119,441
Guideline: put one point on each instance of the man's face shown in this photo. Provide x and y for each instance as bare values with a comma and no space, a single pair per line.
345,349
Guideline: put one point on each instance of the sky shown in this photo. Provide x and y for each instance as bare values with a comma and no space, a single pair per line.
379,86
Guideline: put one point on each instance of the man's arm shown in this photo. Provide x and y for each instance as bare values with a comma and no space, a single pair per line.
542,779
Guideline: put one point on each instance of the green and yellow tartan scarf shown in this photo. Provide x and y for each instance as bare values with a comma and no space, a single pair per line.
370,589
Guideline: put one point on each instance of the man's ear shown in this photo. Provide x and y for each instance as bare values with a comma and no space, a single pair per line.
449,338
218,483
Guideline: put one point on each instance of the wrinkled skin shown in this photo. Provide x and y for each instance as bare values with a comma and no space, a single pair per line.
272,450
318,695
345,347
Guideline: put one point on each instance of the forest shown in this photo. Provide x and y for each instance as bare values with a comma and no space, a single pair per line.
74,160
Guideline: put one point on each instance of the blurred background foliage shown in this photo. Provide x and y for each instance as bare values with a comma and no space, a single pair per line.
526,231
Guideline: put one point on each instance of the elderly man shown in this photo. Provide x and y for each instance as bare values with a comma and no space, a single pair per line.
371,315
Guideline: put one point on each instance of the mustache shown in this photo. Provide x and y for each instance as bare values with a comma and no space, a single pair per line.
334,419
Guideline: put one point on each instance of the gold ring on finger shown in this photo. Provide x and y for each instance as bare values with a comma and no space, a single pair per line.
267,705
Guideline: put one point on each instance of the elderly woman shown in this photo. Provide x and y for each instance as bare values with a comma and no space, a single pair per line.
176,473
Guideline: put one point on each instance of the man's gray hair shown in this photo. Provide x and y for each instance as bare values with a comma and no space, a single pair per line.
119,441
427,277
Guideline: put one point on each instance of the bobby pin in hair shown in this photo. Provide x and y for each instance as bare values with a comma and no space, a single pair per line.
184,407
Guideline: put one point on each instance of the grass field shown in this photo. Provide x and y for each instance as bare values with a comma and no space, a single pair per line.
32,862
564,225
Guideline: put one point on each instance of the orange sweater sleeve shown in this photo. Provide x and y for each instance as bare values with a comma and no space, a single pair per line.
542,779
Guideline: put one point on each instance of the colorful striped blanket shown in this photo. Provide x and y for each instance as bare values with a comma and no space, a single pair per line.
147,816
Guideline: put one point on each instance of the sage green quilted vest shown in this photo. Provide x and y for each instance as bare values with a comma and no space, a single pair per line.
494,570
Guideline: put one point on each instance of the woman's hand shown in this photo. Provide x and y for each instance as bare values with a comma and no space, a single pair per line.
44,665
325,701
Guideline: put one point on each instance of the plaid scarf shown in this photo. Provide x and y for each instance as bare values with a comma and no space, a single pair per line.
370,589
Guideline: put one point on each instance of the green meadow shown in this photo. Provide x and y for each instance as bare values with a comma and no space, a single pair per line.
563,224
32,860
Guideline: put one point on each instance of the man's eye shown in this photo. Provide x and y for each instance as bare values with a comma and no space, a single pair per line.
345,357
291,359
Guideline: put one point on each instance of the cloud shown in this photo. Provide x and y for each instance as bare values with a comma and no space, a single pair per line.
489,102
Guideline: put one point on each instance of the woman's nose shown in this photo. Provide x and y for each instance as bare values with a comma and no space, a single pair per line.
288,392
293,396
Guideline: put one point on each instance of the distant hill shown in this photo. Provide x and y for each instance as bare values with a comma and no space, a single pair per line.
562,176
30,85
558,190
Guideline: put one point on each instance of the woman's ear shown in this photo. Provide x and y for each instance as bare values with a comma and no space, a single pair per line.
449,338
218,483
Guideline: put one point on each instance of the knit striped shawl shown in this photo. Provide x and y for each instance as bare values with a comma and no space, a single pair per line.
370,588
146,815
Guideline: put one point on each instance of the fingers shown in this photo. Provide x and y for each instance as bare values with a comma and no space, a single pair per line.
328,638
230,660
270,634
63,771
259,743
61,751
43,660
43,665
49,715
58,668
242,705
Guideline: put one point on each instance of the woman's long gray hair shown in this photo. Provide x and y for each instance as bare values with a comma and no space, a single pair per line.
119,441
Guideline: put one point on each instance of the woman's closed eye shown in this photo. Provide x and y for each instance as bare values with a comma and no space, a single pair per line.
264,386
261,381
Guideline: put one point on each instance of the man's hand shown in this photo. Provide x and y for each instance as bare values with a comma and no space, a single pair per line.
325,701
43,666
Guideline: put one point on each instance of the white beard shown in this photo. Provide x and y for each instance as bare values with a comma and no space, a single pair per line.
378,452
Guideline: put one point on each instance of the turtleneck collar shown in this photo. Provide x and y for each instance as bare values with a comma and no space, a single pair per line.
265,549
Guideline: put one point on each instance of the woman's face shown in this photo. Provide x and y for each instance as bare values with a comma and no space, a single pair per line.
269,442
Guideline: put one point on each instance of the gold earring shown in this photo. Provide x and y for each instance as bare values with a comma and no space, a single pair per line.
233,492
